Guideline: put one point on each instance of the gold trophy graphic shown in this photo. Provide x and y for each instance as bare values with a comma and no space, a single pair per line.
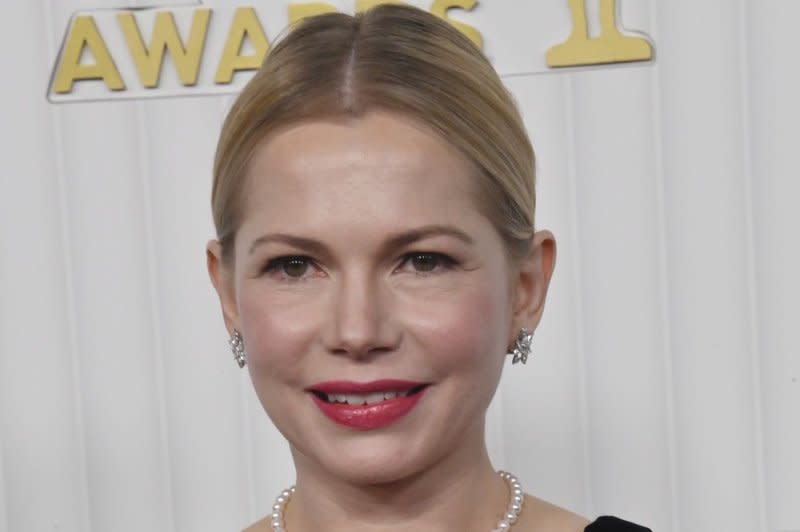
611,46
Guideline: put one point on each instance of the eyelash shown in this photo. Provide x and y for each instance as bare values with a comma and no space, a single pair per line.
444,263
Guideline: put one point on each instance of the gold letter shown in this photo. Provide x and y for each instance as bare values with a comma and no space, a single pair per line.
84,32
610,47
298,12
440,8
245,22
165,36
363,5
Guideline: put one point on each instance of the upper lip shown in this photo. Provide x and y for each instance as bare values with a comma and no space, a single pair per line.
382,385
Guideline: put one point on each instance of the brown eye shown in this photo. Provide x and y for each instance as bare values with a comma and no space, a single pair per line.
425,262
295,267
291,268
429,263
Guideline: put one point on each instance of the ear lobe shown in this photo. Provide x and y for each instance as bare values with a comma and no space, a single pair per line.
533,281
222,279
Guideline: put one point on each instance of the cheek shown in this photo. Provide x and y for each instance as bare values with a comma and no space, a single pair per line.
464,332
276,335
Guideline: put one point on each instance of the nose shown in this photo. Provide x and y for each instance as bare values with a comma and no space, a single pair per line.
361,321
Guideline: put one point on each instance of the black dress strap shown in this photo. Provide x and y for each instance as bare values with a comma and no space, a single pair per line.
607,523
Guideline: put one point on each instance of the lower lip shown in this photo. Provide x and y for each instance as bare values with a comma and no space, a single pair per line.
369,417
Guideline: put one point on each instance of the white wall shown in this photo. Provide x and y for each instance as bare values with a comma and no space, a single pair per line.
665,382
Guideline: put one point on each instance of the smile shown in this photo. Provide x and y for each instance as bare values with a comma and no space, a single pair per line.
367,399
367,406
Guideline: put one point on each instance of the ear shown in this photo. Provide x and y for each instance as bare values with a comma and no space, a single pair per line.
531,281
222,279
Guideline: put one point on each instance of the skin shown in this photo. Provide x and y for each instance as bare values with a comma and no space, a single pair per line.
352,308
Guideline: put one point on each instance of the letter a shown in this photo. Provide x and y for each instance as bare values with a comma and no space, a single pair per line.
245,23
84,33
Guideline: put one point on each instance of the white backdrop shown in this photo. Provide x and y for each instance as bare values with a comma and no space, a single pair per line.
665,382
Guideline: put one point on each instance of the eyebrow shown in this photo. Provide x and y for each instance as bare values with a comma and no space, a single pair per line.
395,241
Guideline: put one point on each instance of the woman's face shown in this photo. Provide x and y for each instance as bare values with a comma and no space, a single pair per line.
362,256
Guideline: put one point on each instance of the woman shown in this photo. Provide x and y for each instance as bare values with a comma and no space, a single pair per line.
376,260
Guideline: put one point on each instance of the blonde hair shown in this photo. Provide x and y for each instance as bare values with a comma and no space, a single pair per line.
396,58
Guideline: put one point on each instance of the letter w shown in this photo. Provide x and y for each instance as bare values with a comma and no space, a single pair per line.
165,36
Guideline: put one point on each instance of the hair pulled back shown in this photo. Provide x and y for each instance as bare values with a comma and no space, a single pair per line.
396,58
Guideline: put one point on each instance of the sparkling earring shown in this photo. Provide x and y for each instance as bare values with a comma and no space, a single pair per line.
522,347
237,346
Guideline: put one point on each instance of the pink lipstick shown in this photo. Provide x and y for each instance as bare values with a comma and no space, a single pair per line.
368,405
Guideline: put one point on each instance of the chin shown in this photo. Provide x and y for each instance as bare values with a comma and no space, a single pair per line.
360,458
379,458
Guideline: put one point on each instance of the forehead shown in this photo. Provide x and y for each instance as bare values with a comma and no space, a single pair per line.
382,167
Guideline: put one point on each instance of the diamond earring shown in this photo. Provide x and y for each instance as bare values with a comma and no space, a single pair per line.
237,346
522,347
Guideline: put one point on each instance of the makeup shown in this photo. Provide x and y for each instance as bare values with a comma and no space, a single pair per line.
367,406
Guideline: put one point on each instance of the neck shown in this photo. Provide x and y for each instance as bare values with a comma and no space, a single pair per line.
461,491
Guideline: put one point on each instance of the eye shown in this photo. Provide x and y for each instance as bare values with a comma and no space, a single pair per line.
294,267
427,262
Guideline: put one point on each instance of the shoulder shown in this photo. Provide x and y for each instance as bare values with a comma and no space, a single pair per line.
539,515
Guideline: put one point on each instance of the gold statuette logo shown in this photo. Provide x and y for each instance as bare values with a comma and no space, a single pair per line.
611,46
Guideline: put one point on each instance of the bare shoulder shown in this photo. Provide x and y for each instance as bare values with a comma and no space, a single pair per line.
541,516
259,526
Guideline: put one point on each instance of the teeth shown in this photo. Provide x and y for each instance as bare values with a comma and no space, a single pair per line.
365,399
353,399
374,398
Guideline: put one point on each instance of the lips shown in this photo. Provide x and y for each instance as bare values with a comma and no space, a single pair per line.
367,406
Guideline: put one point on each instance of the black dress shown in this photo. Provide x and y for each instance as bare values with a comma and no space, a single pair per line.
612,524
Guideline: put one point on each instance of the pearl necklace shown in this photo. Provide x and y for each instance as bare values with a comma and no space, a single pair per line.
509,517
